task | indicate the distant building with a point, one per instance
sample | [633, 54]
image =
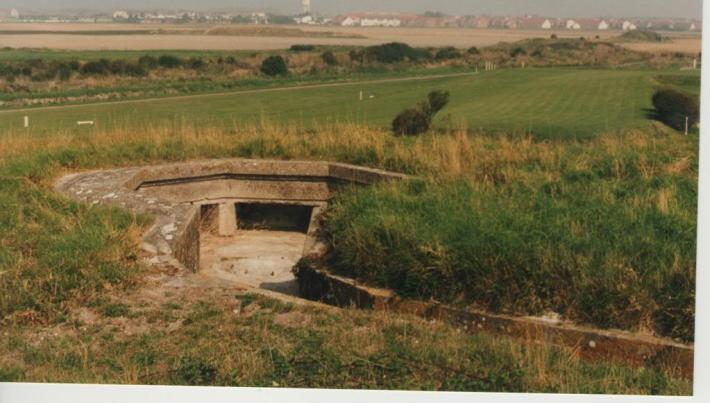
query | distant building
[259, 18]
[120, 15]
[546, 25]
[574, 25]
[306, 19]
[372, 20]
[628, 26]
[15, 14]
[603, 26]
[306, 7]
[349, 22]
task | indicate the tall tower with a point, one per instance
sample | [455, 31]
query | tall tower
[305, 6]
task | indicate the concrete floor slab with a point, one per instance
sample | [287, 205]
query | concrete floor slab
[256, 258]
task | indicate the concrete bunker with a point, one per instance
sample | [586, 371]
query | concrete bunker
[235, 221]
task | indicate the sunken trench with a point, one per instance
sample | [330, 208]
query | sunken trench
[234, 222]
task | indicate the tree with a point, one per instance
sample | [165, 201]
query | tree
[417, 120]
[274, 66]
[673, 107]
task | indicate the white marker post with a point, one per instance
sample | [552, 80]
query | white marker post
[361, 95]
[686, 125]
[27, 121]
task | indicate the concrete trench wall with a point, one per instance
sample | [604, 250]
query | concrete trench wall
[317, 283]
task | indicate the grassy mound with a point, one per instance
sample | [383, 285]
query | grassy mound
[602, 232]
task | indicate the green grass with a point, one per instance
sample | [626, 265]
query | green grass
[545, 102]
[603, 233]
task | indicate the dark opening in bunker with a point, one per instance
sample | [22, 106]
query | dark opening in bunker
[273, 217]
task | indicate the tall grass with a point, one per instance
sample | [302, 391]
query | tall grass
[600, 230]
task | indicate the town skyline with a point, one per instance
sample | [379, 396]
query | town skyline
[548, 8]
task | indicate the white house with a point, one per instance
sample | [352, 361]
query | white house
[14, 14]
[120, 15]
[306, 19]
[572, 24]
[603, 26]
[692, 27]
[348, 22]
[259, 18]
[380, 22]
[629, 26]
[547, 24]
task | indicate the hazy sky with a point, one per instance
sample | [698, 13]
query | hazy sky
[553, 8]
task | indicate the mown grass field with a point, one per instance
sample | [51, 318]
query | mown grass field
[545, 102]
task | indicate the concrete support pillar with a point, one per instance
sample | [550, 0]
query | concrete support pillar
[227, 219]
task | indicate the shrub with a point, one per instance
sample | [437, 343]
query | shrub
[672, 108]
[473, 50]
[413, 121]
[357, 56]
[99, 67]
[148, 62]
[517, 51]
[169, 61]
[437, 100]
[329, 58]
[447, 53]
[553, 36]
[64, 72]
[395, 52]
[302, 48]
[196, 63]
[410, 122]
[274, 66]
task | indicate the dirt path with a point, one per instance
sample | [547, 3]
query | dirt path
[230, 93]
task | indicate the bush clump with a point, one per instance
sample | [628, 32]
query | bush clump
[413, 121]
[673, 107]
[329, 58]
[169, 61]
[302, 48]
[274, 66]
[447, 53]
[395, 52]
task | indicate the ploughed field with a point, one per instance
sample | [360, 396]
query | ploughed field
[555, 102]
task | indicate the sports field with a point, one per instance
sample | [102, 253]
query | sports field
[545, 102]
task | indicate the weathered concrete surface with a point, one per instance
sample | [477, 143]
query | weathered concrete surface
[227, 221]
[174, 193]
[262, 259]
